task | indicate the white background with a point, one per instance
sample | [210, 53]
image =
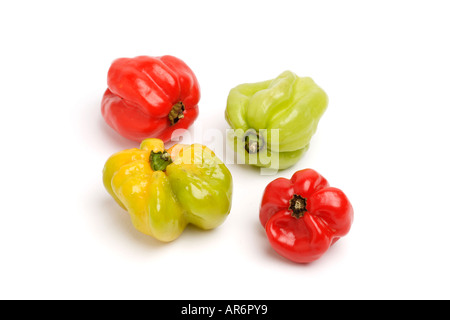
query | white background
[384, 141]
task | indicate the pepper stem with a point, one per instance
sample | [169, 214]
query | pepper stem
[160, 160]
[176, 113]
[298, 206]
[253, 142]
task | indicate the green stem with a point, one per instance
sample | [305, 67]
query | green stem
[298, 206]
[176, 113]
[160, 160]
[253, 142]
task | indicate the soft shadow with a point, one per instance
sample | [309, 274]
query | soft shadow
[95, 131]
[119, 224]
[111, 136]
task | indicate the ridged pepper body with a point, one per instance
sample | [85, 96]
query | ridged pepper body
[289, 104]
[164, 190]
[303, 216]
[150, 97]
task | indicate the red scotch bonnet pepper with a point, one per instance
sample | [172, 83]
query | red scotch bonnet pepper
[150, 97]
[304, 216]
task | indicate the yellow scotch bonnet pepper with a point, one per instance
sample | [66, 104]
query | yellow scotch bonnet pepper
[165, 190]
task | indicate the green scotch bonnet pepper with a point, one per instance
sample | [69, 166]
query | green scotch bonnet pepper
[290, 104]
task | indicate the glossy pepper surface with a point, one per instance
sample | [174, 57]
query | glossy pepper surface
[164, 190]
[150, 97]
[304, 216]
[274, 120]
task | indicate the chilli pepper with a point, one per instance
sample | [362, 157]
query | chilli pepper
[274, 120]
[304, 216]
[150, 97]
[164, 190]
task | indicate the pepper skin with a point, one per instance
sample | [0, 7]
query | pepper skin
[164, 190]
[304, 216]
[150, 97]
[289, 103]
